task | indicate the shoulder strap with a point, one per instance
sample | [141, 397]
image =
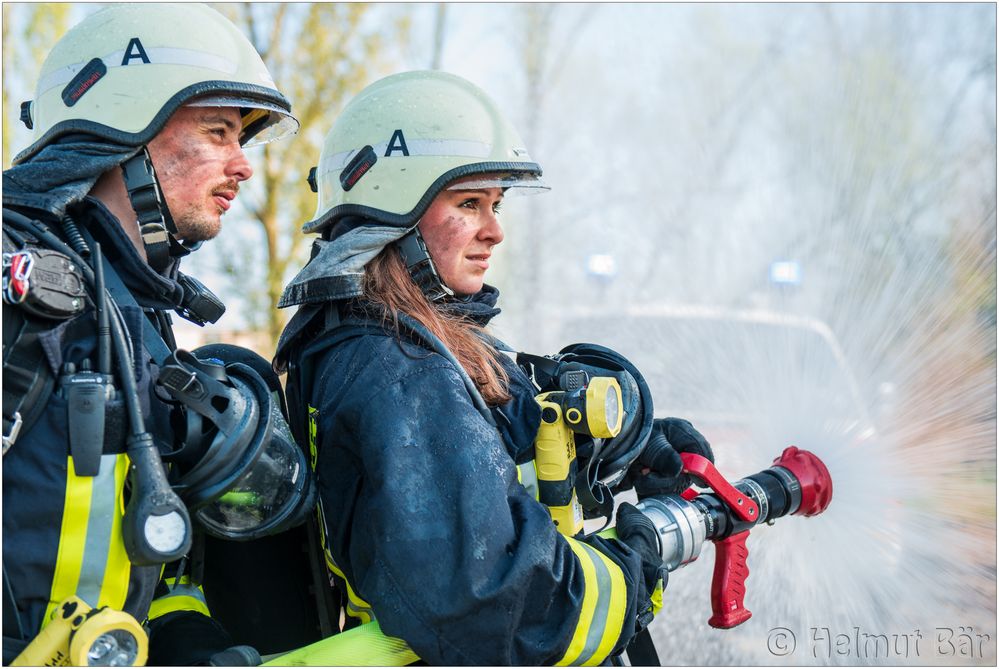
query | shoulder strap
[642, 650]
[301, 367]
[27, 379]
[152, 340]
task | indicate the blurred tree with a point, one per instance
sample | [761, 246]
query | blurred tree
[320, 55]
[547, 34]
[440, 32]
[29, 31]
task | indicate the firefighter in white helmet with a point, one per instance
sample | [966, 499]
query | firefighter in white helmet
[417, 422]
[141, 114]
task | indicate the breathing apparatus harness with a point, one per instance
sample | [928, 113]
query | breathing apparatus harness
[236, 436]
[243, 475]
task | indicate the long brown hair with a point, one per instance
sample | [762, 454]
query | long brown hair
[387, 281]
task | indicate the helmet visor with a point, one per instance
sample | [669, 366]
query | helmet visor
[263, 122]
[512, 183]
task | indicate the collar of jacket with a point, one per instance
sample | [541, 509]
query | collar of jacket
[479, 308]
[150, 289]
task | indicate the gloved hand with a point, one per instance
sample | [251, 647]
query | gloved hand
[236, 656]
[188, 638]
[637, 530]
[658, 468]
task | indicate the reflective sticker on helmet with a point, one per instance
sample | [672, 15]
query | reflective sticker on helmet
[440, 148]
[84, 81]
[156, 56]
[358, 167]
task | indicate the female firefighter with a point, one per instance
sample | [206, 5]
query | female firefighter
[417, 423]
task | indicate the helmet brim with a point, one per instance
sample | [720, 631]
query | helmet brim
[520, 183]
[263, 121]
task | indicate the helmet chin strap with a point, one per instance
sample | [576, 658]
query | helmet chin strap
[421, 266]
[159, 233]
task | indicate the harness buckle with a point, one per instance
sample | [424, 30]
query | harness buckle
[16, 270]
[15, 429]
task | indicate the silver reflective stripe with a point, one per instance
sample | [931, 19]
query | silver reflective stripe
[599, 622]
[529, 478]
[103, 507]
[446, 148]
[357, 611]
[185, 590]
[164, 55]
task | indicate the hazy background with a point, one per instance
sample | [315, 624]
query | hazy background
[688, 148]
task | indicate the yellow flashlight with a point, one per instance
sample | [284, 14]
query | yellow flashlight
[593, 410]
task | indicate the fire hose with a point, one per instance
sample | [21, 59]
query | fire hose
[797, 483]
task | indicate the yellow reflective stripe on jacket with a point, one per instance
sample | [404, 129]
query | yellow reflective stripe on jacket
[182, 597]
[356, 607]
[602, 615]
[91, 562]
[313, 432]
[657, 598]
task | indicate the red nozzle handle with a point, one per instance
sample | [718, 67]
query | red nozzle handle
[728, 585]
[743, 506]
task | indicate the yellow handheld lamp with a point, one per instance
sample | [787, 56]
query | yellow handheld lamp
[80, 636]
[601, 407]
[593, 410]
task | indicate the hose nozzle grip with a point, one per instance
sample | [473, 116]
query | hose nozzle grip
[743, 506]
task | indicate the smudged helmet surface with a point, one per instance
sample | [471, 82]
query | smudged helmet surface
[121, 72]
[404, 138]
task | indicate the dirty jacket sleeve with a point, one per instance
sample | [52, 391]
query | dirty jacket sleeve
[426, 518]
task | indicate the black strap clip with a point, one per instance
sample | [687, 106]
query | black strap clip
[421, 266]
[159, 233]
[11, 436]
[199, 304]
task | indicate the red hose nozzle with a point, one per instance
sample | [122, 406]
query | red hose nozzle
[816, 484]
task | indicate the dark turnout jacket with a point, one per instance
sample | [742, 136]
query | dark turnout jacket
[62, 530]
[426, 523]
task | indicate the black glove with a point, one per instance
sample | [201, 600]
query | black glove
[637, 530]
[189, 638]
[657, 470]
[237, 656]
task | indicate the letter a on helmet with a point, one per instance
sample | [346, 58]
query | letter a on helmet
[120, 73]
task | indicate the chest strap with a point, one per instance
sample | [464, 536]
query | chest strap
[152, 340]
[27, 379]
